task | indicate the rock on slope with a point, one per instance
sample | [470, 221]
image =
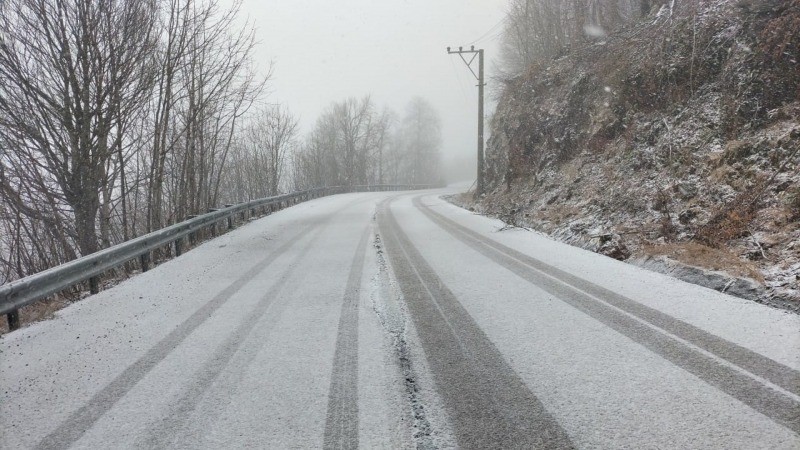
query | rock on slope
[673, 144]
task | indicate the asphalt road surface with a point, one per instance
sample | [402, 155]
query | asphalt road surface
[397, 320]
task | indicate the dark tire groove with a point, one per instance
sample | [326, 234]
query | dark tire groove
[163, 434]
[422, 428]
[578, 293]
[82, 419]
[341, 425]
[488, 403]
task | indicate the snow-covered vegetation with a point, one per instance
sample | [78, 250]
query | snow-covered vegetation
[672, 138]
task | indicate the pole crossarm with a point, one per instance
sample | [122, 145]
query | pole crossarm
[461, 53]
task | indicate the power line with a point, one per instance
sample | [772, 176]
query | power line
[491, 30]
[460, 83]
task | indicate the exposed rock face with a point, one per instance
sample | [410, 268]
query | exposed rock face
[682, 130]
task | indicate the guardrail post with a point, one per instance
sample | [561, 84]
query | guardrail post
[13, 319]
[213, 226]
[144, 260]
[231, 218]
[178, 245]
[94, 285]
[192, 235]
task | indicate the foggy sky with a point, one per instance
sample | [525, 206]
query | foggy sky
[327, 50]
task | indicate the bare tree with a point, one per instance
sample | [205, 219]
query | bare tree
[354, 144]
[344, 144]
[69, 79]
[317, 164]
[381, 135]
[174, 43]
[259, 157]
[116, 118]
[208, 85]
[420, 133]
[539, 30]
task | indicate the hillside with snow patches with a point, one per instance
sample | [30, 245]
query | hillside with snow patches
[671, 143]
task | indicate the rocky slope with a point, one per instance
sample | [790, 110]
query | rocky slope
[673, 144]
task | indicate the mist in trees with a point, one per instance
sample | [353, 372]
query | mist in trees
[419, 139]
[121, 117]
[355, 143]
[116, 118]
[258, 159]
[539, 30]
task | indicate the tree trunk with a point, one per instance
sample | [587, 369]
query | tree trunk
[85, 224]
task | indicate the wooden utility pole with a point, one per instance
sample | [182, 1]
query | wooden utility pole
[479, 76]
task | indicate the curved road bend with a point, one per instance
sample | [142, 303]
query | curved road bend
[396, 320]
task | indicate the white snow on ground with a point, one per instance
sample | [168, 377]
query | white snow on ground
[266, 384]
[769, 331]
[52, 368]
[606, 389]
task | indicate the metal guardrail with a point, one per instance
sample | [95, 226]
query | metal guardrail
[27, 290]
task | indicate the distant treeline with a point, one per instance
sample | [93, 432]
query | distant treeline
[120, 117]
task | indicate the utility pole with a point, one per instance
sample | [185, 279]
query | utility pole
[479, 76]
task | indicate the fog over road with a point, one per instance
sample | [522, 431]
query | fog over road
[397, 320]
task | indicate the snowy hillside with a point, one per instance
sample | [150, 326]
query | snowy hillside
[672, 143]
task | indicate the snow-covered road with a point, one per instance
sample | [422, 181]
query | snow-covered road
[397, 320]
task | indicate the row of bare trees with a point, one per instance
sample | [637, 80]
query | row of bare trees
[258, 162]
[119, 117]
[354, 143]
[538, 30]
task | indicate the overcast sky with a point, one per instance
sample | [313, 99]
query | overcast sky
[327, 50]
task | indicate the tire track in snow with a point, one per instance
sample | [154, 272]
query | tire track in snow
[341, 425]
[81, 420]
[206, 397]
[489, 404]
[163, 434]
[720, 363]
[393, 317]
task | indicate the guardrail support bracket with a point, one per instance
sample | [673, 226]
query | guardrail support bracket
[144, 260]
[94, 285]
[13, 320]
